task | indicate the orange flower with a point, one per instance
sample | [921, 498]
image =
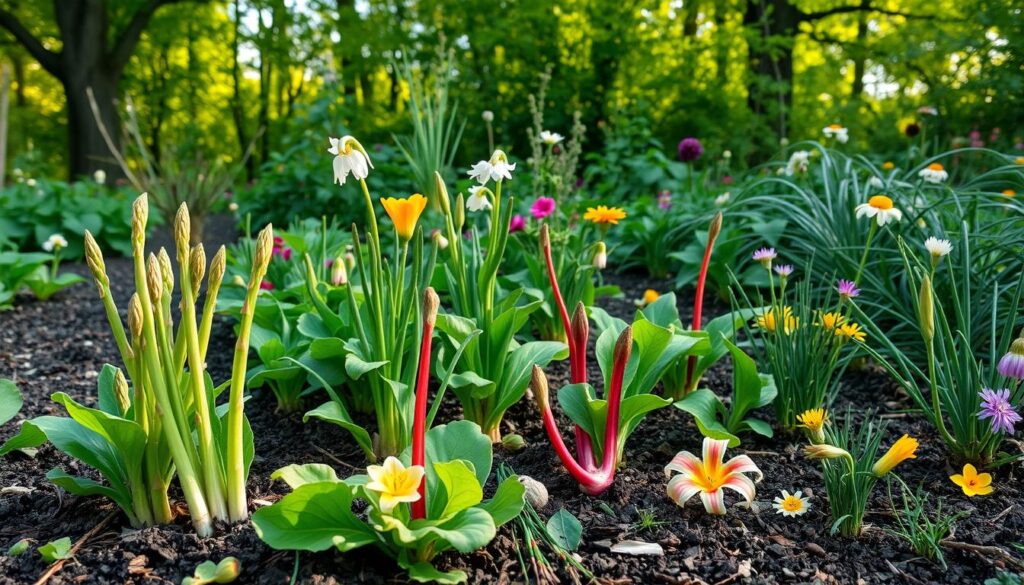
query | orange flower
[404, 213]
[604, 215]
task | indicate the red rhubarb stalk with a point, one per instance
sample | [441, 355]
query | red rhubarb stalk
[698, 301]
[419, 424]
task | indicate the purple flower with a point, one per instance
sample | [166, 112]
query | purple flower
[542, 207]
[690, 149]
[995, 405]
[765, 256]
[784, 270]
[1011, 365]
[664, 200]
[847, 289]
[517, 224]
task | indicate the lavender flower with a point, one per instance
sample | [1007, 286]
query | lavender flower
[1011, 365]
[665, 200]
[995, 405]
[847, 289]
[784, 270]
[690, 149]
[765, 257]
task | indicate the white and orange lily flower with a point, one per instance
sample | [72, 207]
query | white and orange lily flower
[710, 477]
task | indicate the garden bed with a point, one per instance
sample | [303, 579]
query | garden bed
[61, 346]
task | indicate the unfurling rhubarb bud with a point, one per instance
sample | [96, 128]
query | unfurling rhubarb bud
[94, 257]
[135, 318]
[926, 310]
[339, 274]
[460, 213]
[166, 271]
[140, 215]
[217, 266]
[715, 228]
[430, 305]
[513, 442]
[154, 279]
[539, 385]
[182, 230]
[580, 326]
[197, 264]
[545, 237]
[624, 346]
[261, 258]
[121, 391]
[442, 193]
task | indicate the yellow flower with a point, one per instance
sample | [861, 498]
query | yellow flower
[650, 295]
[404, 213]
[603, 214]
[395, 483]
[1019, 160]
[888, 165]
[832, 320]
[851, 330]
[791, 504]
[1009, 192]
[902, 450]
[813, 419]
[767, 320]
[972, 482]
[825, 451]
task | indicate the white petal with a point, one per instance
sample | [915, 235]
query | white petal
[714, 502]
[681, 488]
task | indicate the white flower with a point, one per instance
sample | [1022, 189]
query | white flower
[798, 163]
[478, 200]
[349, 157]
[442, 242]
[836, 131]
[726, 154]
[722, 199]
[928, 110]
[934, 173]
[55, 242]
[938, 248]
[791, 504]
[879, 207]
[495, 169]
[875, 183]
[601, 256]
[488, 116]
[783, 142]
[233, 206]
[551, 138]
[100, 176]
[31, 182]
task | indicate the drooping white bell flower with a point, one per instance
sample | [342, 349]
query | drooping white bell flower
[349, 157]
[478, 200]
[495, 169]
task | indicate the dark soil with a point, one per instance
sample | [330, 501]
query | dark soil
[61, 346]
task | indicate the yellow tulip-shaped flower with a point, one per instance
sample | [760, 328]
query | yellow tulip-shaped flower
[972, 482]
[902, 450]
[395, 483]
[404, 213]
[814, 420]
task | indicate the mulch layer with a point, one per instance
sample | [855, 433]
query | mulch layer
[61, 345]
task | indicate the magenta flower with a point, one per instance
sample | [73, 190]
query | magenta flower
[266, 285]
[690, 149]
[665, 200]
[542, 207]
[1011, 365]
[847, 289]
[784, 270]
[765, 257]
[995, 405]
[517, 224]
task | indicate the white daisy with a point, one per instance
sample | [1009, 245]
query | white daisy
[551, 138]
[879, 207]
[349, 157]
[836, 131]
[798, 163]
[478, 200]
[723, 199]
[934, 173]
[938, 248]
[55, 242]
[791, 504]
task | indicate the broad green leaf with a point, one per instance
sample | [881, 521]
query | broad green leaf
[746, 384]
[296, 475]
[314, 517]
[460, 486]
[334, 412]
[565, 529]
[107, 397]
[758, 426]
[356, 367]
[424, 572]
[83, 486]
[450, 442]
[470, 383]
[326, 348]
[575, 400]
[56, 550]
[466, 531]
[663, 312]
[10, 400]
[508, 501]
[518, 368]
[28, 437]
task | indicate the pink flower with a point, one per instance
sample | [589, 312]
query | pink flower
[727, 180]
[542, 207]
[665, 200]
[266, 285]
[517, 224]
[847, 289]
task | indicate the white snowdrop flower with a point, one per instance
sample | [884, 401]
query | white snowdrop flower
[349, 157]
[938, 248]
[798, 163]
[100, 176]
[442, 242]
[551, 138]
[723, 199]
[934, 173]
[488, 116]
[495, 169]
[478, 200]
[56, 242]
[836, 131]
[233, 206]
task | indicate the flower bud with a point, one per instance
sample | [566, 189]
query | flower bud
[545, 238]
[154, 280]
[580, 326]
[460, 213]
[94, 258]
[903, 449]
[824, 451]
[261, 258]
[536, 492]
[217, 267]
[166, 271]
[442, 242]
[350, 260]
[488, 116]
[430, 304]
[197, 264]
[121, 391]
[182, 230]
[715, 228]
[237, 280]
[513, 442]
[601, 256]
[926, 310]
[624, 346]
[442, 193]
[539, 385]
[140, 215]
[135, 317]
[339, 274]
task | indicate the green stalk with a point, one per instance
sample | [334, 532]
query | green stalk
[867, 248]
[216, 277]
[238, 508]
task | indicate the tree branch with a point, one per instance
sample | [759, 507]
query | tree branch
[49, 60]
[129, 37]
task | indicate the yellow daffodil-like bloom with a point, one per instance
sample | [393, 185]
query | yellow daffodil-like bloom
[853, 331]
[791, 504]
[395, 483]
[404, 213]
[880, 208]
[1009, 193]
[650, 295]
[972, 482]
[605, 215]
[710, 476]
[831, 320]
[769, 320]
[813, 419]
[902, 450]
[888, 165]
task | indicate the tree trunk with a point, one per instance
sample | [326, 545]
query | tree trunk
[88, 150]
[770, 88]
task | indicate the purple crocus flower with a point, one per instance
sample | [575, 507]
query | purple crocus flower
[517, 224]
[847, 289]
[1011, 365]
[765, 257]
[690, 149]
[995, 405]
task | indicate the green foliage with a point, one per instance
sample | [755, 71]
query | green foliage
[565, 529]
[318, 514]
[10, 400]
[208, 572]
[750, 390]
[19, 548]
[922, 531]
[56, 550]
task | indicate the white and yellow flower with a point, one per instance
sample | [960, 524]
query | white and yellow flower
[881, 208]
[495, 169]
[836, 131]
[798, 163]
[478, 200]
[790, 505]
[349, 157]
[938, 248]
[934, 173]
[395, 483]
[709, 477]
[56, 242]
[550, 138]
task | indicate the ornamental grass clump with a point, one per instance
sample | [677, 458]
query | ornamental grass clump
[166, 420]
